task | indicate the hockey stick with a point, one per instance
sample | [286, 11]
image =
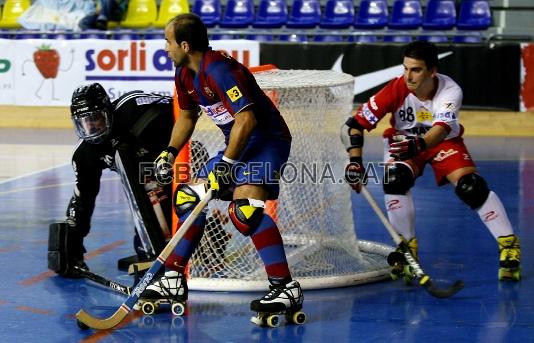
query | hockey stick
[115, 286]
[424, 279]
[85, 320]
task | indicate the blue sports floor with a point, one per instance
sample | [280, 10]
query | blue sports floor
[38, 306]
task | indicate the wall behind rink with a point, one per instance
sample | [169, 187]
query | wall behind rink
[489, 74]
[40, 72]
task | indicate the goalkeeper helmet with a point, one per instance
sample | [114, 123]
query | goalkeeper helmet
[91, 113]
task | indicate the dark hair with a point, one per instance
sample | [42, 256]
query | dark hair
[422, 50]
[190, 28]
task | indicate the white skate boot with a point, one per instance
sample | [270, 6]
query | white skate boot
[283, 299]
[171, 289]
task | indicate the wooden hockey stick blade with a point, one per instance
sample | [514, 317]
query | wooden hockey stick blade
[424, 279]
[102, 324]
[85, 320]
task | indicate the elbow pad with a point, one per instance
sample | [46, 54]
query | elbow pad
[348, 140]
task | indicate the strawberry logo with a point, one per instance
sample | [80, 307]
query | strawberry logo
[47, 61]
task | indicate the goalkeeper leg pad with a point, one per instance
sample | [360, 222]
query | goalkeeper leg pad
[246, 214]
[65, 249]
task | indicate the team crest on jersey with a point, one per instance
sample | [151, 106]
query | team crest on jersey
[423, 115]
[208, 91]
[234, 93]
[368, 114]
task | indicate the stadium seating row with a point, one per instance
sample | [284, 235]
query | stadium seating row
[371, 16]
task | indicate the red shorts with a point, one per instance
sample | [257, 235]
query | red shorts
[444, 158]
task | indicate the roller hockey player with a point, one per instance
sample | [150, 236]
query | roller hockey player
[425, 130]
[255, 135]
[119, 136]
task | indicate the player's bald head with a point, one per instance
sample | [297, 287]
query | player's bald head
[190, 28]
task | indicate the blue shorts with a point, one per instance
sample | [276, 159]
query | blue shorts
[259, 164]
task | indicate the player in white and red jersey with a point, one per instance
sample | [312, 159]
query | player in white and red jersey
[246, 172]
[425, 130]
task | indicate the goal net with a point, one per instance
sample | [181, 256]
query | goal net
[313, 211]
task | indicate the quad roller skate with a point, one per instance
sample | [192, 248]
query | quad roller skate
[171, 289]
[281, 300]
[509, 258]
[399, 266]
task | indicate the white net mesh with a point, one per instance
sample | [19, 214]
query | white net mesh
[314, 208]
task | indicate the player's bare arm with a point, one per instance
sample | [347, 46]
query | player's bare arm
[435, 135]
[244, 124]
[183, 128]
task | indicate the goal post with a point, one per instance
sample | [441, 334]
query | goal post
[313, 212]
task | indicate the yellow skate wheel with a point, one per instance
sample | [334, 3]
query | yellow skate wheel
[298, 318]
[408, 274]
[178, 309]
[273, 321]
[148, 308]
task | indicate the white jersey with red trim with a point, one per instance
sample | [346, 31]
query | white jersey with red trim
[411, 116]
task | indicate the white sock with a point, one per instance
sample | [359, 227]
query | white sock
[401, 213]
[493, 215]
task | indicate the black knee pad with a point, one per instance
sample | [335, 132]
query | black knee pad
[473, 190]
[245, 216]
[186, 197]
[398, 179]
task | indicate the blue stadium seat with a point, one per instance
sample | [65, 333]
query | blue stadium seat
[219, 36]
[474, 15]
[126, 35]
[260, 37]
[372, 14]
[406, 15]
[398, 39]
[304, 14]
[209, 11]
[238, 14]
[154, 34]
[440, 15]
[338, 14]
[271, 14]
[328, 38]
[363, 39]
[471, 38]
[293, 38]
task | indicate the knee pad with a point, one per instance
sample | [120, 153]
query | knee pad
[186, 197]
[246, 214]
[398, 179]
[473, 190]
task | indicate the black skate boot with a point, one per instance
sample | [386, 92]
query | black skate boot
[171, 288]
[509, 258]
[283, 299]
[399, 266]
